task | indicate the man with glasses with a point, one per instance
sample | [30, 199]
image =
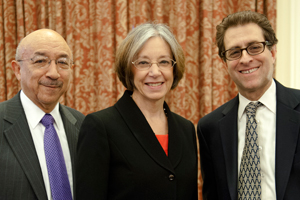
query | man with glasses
[38, 135]
[250, 146]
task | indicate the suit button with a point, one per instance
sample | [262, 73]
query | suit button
[171, 177]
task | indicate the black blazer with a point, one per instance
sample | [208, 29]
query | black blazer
[20, 171]
[218, 139]
[119, 156]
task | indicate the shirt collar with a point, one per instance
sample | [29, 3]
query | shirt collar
[268, 99]
[34, 114]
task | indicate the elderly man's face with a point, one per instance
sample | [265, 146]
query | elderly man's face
[44, 86]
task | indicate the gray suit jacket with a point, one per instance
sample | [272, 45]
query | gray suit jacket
[20, 172]
[218, 139]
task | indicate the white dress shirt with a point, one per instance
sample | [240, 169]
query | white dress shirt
[266, 127]
[34, 115]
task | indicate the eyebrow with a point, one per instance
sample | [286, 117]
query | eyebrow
[248, 44]
[160, 57]
[63, 55]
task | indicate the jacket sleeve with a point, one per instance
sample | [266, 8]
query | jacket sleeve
[209, 189]
[93, 158]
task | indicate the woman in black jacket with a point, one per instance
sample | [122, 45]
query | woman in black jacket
[138, 148]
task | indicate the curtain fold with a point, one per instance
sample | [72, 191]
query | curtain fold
[95, 28]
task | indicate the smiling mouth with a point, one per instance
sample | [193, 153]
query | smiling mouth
[249, 71]
[51, 86]
[154, 84]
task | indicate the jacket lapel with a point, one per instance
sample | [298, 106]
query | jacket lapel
[142, 131]
[20, 140]
[175, 141]
[287, 131]
[229, 134]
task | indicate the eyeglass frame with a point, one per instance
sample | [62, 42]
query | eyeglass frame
[151, 63]
[49, 63]
[265, 43]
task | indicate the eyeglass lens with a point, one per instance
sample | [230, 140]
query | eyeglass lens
[146, 64]
[253, 49]
[42, 61]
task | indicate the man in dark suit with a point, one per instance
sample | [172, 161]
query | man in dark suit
[247, 44]
[43, 66]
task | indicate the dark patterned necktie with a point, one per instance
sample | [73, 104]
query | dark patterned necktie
[57, 171]
[249, 184]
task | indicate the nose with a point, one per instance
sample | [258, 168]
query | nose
[245, 58]
[154, 70]
[52, 70]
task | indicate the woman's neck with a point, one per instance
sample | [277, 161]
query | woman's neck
[148, 107]
[154, 113]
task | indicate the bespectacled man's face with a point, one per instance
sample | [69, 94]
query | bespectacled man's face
[43, 86]
[252, 74]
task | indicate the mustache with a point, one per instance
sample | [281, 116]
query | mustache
[51, 83]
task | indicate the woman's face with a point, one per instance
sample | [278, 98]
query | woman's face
[154, 83]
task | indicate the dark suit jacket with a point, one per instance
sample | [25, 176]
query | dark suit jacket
[119, 156]
[20, 173]
[218, 136]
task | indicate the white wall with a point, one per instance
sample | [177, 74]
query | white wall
[288, 48]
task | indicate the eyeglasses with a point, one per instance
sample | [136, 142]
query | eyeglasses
[44, 62]
[253, 49]
[163, 64]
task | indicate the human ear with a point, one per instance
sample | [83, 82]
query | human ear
[16, 68]
[274, 52]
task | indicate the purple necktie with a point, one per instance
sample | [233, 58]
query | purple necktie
[57, 171]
